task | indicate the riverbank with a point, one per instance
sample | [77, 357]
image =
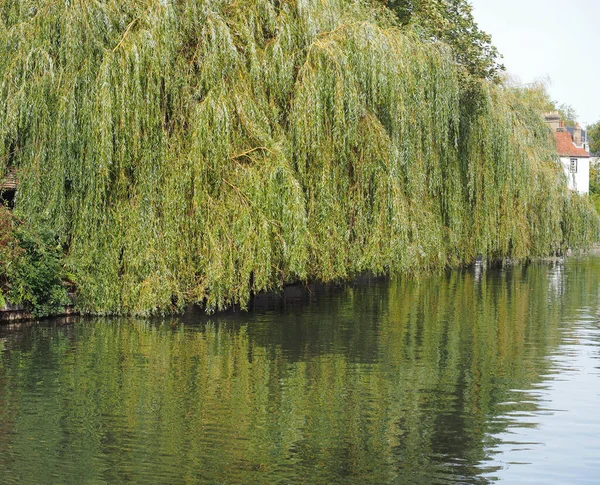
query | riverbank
[263, 301]
[291, 294]
[21, 313]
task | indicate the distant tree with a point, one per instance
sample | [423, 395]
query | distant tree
[567, 113]
[452, 22]
[593, 133]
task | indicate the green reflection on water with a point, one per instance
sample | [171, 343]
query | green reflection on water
[394, 382]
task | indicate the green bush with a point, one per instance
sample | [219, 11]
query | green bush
[8, 250]
[30, 267]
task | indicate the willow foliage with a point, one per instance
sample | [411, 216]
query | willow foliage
[200, 150]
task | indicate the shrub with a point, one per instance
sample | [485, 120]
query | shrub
[30, 267]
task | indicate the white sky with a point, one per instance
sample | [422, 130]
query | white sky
[555, 39]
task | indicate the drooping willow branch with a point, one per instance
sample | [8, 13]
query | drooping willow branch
[203, 150]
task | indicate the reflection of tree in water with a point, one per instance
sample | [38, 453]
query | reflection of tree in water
[402, 382]
[556, 280]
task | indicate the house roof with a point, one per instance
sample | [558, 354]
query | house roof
[566, 147]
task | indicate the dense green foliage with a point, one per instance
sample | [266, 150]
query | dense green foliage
[7, 250]
[452, 22]
[201, 150]
[30, 267]
[593, 133]
[595, 185]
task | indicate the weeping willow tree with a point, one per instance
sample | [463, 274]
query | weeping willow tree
[202, 150]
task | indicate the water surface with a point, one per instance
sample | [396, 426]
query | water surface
[471, 377]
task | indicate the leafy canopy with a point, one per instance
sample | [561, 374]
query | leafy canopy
[452, 22]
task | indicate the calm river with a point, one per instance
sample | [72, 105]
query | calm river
[471, 377]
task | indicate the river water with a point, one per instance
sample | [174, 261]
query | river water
[471, 377]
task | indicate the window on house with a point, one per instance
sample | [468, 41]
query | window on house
[573, 168]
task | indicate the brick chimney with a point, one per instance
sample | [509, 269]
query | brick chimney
[553, 120]
[577, 135]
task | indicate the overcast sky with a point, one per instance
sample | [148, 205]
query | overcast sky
[555, 39]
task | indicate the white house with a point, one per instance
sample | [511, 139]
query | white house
[575, 160]
[572, 146]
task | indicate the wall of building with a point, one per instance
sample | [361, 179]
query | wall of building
[579, 181]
